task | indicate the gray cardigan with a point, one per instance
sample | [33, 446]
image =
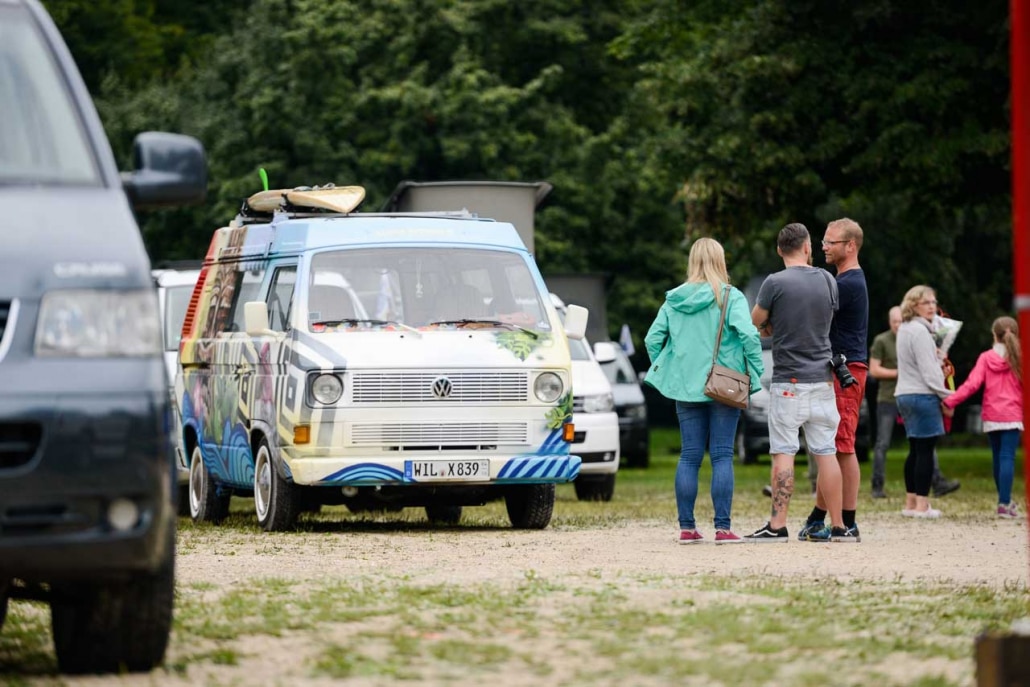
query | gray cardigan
[919, 368]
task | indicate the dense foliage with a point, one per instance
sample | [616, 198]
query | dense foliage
[657, 121]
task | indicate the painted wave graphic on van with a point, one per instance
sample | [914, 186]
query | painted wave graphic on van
[365, 473]
[535, 468]
[229, 461]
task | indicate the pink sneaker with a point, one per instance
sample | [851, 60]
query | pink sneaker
[1009, 512]
[726, 537]
[690, 537]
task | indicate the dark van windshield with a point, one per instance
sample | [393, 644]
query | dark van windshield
[42, 139]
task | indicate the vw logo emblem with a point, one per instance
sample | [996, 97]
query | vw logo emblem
[441, 387]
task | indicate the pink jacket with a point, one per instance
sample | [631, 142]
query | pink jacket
[1003, 396]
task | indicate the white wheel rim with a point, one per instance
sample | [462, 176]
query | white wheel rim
[262, 483]
[197, 479]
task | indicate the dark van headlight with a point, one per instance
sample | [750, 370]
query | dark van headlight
[89, 323]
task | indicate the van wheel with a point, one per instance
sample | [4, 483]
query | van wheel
[530, 506]
[276, 501]
[595, 488]
[115, 626]
[443, 515]
[205, 503]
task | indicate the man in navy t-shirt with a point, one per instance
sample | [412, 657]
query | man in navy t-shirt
[849, 335]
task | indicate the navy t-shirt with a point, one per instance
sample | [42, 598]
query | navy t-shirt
[849, 332]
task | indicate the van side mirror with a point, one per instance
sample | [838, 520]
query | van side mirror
[604, 351]
[576, 321]
[255, 317]
[169, 170]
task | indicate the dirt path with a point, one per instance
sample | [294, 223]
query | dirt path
[993, 554]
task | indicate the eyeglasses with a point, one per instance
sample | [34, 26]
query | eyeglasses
[927, 302]
[830, 243]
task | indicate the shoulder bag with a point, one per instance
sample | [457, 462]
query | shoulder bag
[724, 385]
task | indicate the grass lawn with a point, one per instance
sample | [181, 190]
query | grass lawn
[634, 626]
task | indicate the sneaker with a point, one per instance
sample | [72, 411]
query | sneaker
[1008, 512]
[810, 527]
[945, 487]
[928, 514]
[767, 535]
[726, 537]
[908, 513]
[820, 533]
[690, 537]
[845, 535]
[767, 490]
[879, 494]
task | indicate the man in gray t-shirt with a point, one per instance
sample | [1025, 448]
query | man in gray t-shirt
[795, 307]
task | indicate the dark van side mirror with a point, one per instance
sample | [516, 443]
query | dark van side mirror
[170, 169]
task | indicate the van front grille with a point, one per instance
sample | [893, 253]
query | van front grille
[439, 387]
[411, 435]
[18, 443]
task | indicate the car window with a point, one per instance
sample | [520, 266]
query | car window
[248, 285]
[280, 298]
[578, 349]
[619, 370]
[42, 137]
[177, 299]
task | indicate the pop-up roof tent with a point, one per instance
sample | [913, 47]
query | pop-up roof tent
[504, 201]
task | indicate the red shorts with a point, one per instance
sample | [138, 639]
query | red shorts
[848, 403]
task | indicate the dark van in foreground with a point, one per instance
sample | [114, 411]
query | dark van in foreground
[87, 520]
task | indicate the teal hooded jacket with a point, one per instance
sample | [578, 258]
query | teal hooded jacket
[682, 336]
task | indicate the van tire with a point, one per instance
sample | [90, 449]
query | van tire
[276, 501]
[595, 488]
[115, 626]
[530, 506]
[206, 504]
[443, 515]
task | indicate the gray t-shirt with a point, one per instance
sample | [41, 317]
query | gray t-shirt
[801, 302]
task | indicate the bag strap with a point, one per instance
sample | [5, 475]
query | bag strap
[722, 321]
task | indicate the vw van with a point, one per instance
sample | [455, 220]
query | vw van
[379, 361]
[87, 520]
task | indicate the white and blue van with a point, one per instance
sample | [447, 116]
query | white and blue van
[376, 361]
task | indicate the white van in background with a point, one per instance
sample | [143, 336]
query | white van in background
[174, 289]
[596, 439]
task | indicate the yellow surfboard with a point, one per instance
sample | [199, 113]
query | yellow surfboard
[332, 198]
[267, 201]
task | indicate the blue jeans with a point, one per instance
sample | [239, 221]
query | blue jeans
[886, 419]
[1003, 451]
[715, 425]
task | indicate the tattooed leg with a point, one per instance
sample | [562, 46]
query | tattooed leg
[782, 488]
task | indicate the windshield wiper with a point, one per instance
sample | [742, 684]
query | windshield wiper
[495, 323]
[360, 320]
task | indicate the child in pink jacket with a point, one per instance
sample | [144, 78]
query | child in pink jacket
[999, 371]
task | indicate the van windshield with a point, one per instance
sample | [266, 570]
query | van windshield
[42, 138]
[425, 287]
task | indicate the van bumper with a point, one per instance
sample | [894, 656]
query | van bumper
[83, 451]
[365, 471]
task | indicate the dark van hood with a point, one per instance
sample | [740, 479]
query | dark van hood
[68, 238]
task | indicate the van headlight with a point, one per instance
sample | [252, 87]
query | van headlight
[326, 389]
[548, 387]
[599, 403]
[93, 323]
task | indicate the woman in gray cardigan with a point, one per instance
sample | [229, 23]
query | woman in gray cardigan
[919, 393]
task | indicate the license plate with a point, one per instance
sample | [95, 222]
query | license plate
[447, 470]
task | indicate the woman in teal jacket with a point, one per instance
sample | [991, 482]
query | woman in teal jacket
[679, 344]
